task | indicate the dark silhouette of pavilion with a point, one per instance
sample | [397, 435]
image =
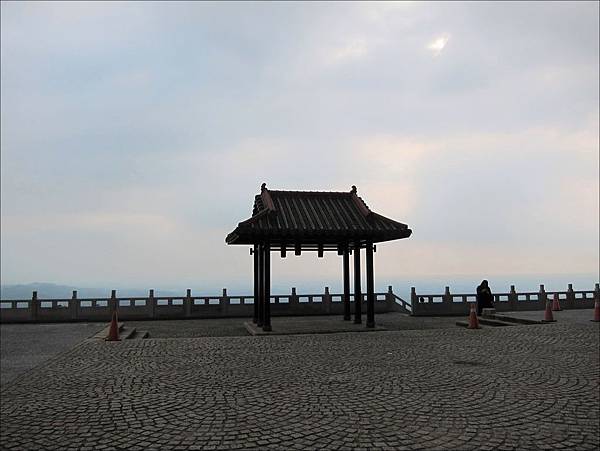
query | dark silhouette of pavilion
[313, 221]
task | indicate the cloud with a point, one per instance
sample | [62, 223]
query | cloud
[438, 44]
[139, 133]
[493, 192]
[354, 49]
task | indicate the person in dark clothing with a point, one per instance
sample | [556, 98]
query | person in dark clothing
[485, 299]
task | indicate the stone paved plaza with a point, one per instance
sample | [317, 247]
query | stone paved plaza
[24, 346]
[521, 387]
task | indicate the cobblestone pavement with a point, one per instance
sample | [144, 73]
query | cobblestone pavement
[24, 346]
[521, 387]
[226, 327]
[581, 316]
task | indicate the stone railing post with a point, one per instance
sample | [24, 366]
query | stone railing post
[187, 303]
[570, 297]
[224, 301]
[447, 298]
[151, 304]
[112, 303]
[542, 296]
[294, 302]
[327, 301]
[74, 305]
[513, 299]
[414, 300]
[389, 299]
[34, 306]
[449, 305]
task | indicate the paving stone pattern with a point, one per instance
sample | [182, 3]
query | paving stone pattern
[226, 327]
[522, 387]
[24, 346]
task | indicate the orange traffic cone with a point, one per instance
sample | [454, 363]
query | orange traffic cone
[113, 333]
[473, 321]
[596, 311]
[556, 303]
[548, 318]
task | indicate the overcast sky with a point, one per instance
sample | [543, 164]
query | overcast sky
[135, 135]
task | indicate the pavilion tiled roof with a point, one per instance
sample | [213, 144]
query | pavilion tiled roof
[314, 217]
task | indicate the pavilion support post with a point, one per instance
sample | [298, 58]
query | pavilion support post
[256, 284]
[261, 285]
[346, 257]
[357, 292]
[267, 288]
[370, 287]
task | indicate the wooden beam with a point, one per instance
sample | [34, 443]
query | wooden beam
[303, 248]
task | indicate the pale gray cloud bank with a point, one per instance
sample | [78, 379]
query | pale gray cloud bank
[134, 135]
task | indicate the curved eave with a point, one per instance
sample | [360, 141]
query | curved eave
[232, 238]
[240, 237]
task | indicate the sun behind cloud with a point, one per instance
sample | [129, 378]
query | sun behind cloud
[438, 44]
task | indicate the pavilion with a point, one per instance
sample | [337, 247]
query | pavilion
[314, 221]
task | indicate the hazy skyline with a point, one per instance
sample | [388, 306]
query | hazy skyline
[135, 135]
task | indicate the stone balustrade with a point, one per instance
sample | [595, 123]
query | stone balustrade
[459, 304]
[188, 306]
[227, 306]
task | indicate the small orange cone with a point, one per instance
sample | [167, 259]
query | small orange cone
[473, 321]
[548, 318]
[596, 311]
[113, 333]
[556, 304]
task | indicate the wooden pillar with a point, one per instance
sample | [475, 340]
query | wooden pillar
[261, 285]
[370, 287]
[256, 284]
[267, 288]
[357, 293]
[346, 283]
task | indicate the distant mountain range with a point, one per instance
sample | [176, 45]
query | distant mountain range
[401, 286]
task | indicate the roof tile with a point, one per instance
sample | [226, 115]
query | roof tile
[312, 217]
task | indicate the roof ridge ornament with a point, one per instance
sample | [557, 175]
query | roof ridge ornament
[266, 198]
[362, 207]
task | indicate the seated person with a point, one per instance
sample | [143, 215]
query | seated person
[485, 298]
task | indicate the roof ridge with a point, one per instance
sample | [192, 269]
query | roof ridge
[308, 192]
